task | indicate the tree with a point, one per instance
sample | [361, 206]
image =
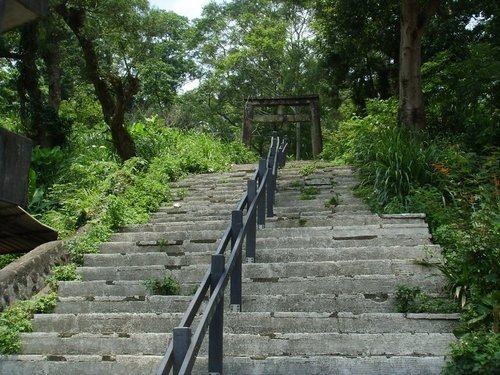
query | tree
[122, 41]
[414, 17]
[258, 48]
[358, 45]
[115, 84]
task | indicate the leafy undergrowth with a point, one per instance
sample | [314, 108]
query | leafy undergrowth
[458, 189]
[17, 319]
[84, 184]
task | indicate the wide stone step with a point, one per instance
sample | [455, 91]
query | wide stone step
[170, 247]
[371, 284]
[273, 344]
[338, 365]
[340, 242]
[355, 303]
[389, 230]
[181, 207]
[146, 259]
[191, 224]
[53, 343]
[194, 273]
[420, 254]
[162, 218]
[122, 304]
[283, 365]
[257, 323]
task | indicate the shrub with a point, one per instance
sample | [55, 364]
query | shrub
[414, 300]
[17, 318]
[476, 353]
[65, 272]
[166, 286]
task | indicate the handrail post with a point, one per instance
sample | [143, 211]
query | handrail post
[261, 209]
[215, 331]
[251, 222]
[182, 340]
[235, 298]
[270, 192]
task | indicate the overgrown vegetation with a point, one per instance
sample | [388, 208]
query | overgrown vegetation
[17, 319]
[308, 193]
[457, 187]
[166, 286]
[414, 300]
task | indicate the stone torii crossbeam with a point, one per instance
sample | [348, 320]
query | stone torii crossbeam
[293, 101]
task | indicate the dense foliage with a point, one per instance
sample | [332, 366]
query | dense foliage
[459, 191]
[97, 86]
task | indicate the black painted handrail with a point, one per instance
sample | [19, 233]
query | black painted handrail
[258, 201]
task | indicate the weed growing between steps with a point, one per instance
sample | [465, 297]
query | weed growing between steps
[167, 286]
[309, 193]
[456, 186]
[17, 319]
[414, 300]
[65, 272]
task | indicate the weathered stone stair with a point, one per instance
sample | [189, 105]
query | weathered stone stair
[318, 299]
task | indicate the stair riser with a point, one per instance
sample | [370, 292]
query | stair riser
[191, 273]
[325, 232]
[245, 323]
[249, 345]
[169, 249]
[146, 259]
[148, 365]
[275, 286]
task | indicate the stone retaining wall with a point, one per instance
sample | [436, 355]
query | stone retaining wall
[26, 276]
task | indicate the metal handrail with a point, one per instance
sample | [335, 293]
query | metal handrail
[183, 348]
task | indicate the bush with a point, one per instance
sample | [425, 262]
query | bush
[17, 319]
[166, 286]
[476, 353]
[414, 300]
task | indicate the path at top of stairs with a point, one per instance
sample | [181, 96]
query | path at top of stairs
[319, 298]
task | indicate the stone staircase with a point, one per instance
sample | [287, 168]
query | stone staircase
[317, 300]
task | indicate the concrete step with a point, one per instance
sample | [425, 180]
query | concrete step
[371, 284]
[390, 230]
[192, 224]
[146, 259]
[256, 323]
[122, 304]
[170, 247]
[419, 253]
[53, 343]
[194, 273]
[283, 365]
[273, 344]
[338, 242]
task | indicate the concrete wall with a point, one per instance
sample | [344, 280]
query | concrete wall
[26, 276]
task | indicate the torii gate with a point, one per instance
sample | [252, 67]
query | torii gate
[292, 101]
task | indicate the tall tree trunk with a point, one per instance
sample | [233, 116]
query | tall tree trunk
[28, 88]
[414, 17]
[52, 58]
[115, 94]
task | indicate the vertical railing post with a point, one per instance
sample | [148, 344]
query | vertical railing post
[251, 222]
[235, 297]
[215, 330]
[261, 209]
[270, 192]
[182, 340]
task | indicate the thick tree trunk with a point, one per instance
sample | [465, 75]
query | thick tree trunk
[411, 100]
[115, 94]
[52, 58]
[29, 90]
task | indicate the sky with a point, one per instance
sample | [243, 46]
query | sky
[188, 8]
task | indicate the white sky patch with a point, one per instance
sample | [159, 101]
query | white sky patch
[188, 8]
